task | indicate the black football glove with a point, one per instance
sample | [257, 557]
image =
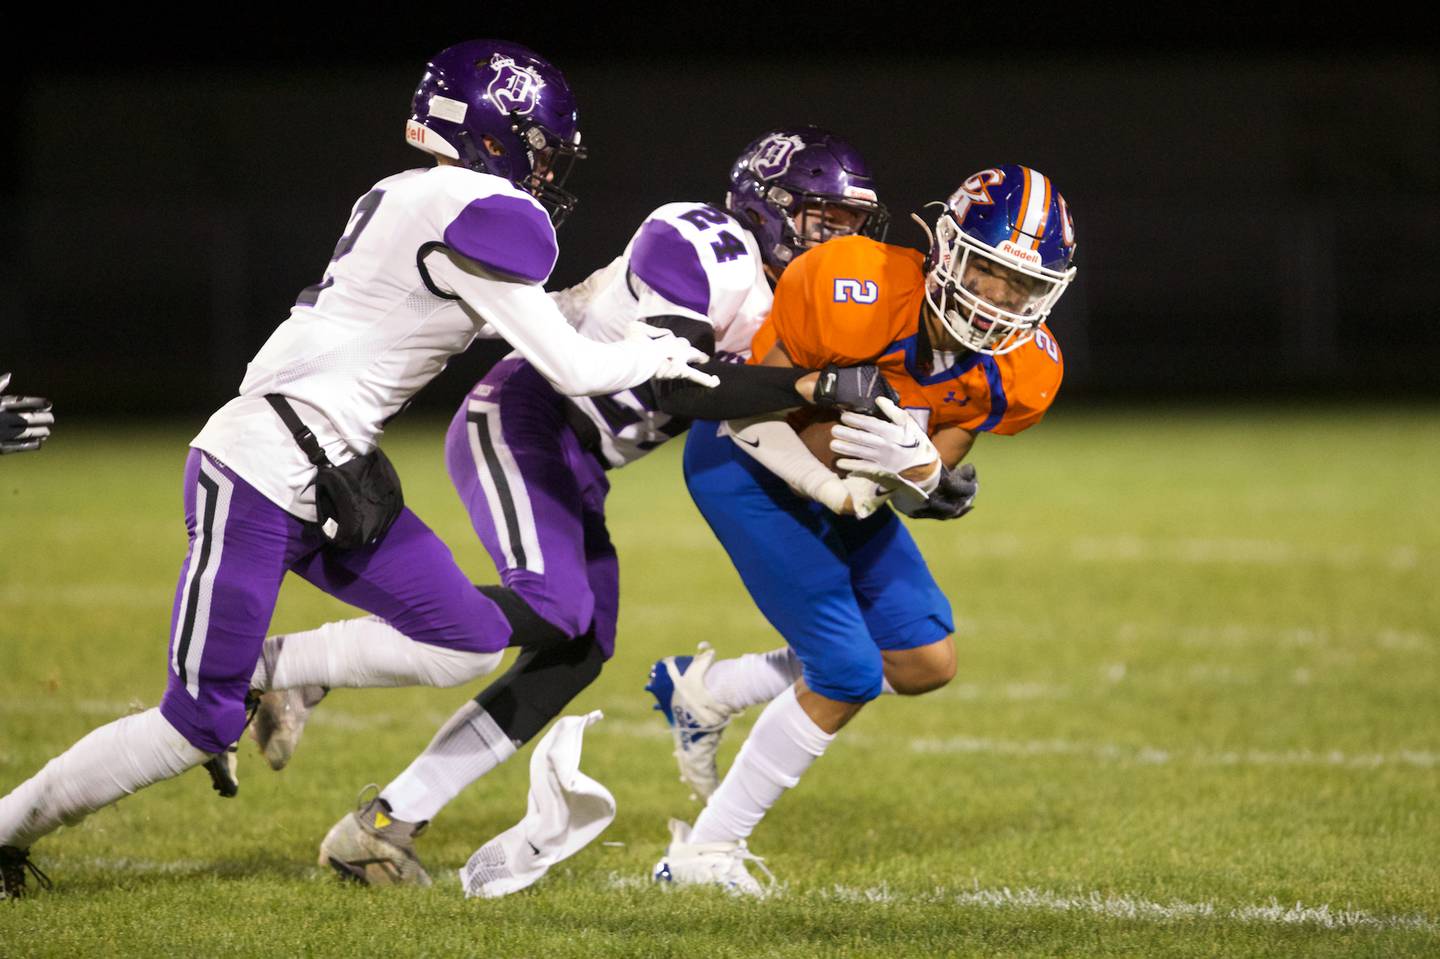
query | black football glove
[952, 498]
[24, 420]
[853, 388]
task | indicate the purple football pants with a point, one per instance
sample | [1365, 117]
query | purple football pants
[242, 544]
[536, 500]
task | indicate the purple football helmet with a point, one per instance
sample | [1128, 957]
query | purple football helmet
[1000, 257]
[499, 108]
[799, 186]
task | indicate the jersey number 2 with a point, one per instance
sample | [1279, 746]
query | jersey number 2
[360, 218]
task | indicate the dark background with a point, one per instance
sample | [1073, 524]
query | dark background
[1256, 198]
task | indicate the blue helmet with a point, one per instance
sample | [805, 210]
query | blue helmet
[799, 186]
[1000, 257]
[499, 108]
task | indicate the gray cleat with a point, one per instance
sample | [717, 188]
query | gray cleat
[369, 846]
[280, 720]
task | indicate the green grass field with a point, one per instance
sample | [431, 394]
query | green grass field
[1196, 715]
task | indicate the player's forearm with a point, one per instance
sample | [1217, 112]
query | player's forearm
[530, 322]
[744, 391]
[953, 444]
[751, 390]
[777, 447]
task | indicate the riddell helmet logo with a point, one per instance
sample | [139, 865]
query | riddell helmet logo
[772, 157]
[1019, 253]
[515, 89]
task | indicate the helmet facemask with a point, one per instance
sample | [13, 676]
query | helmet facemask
[809, 219]
[991, 301]
[797, 187]
[551, 161]
[548, 159]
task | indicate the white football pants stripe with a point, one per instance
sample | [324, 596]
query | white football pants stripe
[193, 621]
[505, 492]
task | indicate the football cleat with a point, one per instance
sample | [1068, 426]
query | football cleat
[696, 719]
[370, 847]
[721, 864]
[14, 863]
[224, 773]
[280, 720]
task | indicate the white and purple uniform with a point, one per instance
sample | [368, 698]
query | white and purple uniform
[391, 310]
[534, 489]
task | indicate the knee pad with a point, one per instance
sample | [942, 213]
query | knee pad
[540, 684]
[527, 627]
[441, 666]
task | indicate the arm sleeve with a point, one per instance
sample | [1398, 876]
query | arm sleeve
[530, 322]
[778, 448]
[743, 391]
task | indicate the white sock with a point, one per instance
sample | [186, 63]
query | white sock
[752, 678]
[364, 653]
[468, 746]
[108, 764]
[783, 744]
[756, 678]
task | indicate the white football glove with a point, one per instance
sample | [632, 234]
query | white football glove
[25, 421]
[865, 495]
[673, 355]
[893, 451]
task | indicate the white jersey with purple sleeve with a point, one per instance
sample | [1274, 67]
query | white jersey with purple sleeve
[393, 307]
[691, 260]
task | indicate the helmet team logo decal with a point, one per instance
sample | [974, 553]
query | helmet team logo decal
[515, 89]
[856, 291]
[975, 190]
[772, 158]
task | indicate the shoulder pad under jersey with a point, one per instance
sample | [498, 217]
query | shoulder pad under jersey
[489, 220]
[694, 255]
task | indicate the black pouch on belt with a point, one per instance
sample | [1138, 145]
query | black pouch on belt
[356, 501]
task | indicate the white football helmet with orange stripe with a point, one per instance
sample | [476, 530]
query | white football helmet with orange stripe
[1000, 257]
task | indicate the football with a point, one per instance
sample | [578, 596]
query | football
[813, 424]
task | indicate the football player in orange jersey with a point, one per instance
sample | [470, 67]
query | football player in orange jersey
[960, 334]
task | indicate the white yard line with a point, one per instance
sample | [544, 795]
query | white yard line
[1239, 635]
[1109, 905]
[1157, 756]
[88, 596]
[1117, 906]
[1126, 548]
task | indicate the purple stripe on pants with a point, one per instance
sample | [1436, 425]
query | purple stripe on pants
[241, 545]
[536, 500]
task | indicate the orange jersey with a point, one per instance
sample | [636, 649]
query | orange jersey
[854, 300]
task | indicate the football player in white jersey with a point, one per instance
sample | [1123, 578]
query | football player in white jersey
[530, 466]
[287, 476]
